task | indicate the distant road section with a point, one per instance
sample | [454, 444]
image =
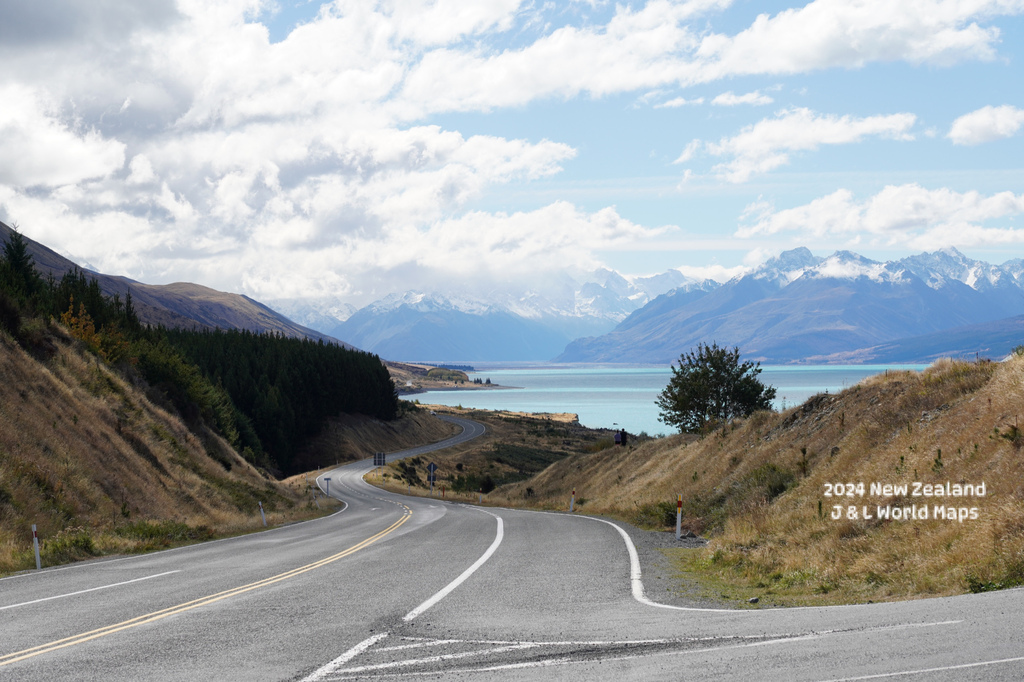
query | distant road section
[470, 430]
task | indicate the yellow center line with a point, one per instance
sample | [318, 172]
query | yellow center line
[7, 659]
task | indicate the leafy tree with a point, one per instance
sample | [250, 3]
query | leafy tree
[712, 386]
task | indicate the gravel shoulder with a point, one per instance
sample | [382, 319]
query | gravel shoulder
[662, 583]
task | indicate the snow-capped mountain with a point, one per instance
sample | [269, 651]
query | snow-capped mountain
[502, 323]
[324, 313]
[798, 306]
[939, 267]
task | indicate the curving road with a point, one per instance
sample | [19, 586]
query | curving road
[409, 587]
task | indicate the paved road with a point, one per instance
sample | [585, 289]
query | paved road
[411, 587]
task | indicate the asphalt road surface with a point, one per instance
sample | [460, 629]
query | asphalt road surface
[413, 588]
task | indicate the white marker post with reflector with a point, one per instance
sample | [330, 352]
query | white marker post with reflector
[572, 500]
[35, 543]
[679, 517]
[263, 515]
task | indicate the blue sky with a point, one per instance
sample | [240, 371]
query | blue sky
[351, 149]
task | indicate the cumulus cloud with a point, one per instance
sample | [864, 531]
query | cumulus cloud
[836, 33]
[768, 144]
[730, 99]
[716, 272]
[987, 125]
[900, 215]
[676, 102]
[39, 146]
[296, 167]
[656, 46]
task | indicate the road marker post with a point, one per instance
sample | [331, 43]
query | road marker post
[263, 515]
[572, 500]
[679, 517]
[35, 544]
[327, 480]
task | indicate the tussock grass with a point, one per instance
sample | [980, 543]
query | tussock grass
[754, 487]
[101, 469]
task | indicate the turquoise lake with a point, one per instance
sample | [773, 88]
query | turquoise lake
[624, 397]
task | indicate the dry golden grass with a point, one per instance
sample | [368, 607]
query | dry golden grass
[100, 468]
[755, 488]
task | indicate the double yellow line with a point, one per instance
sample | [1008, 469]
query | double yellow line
[7, 659]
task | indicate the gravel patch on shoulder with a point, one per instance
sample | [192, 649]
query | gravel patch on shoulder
[661, 582]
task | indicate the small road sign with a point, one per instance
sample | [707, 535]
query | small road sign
[379, 459]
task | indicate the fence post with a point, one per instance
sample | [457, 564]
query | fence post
[35, 543]
[679, 517]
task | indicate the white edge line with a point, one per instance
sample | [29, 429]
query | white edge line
[91, 589]
[447, 589]
[147, 555]
[923, 671]
[326, 670]
[637, 583]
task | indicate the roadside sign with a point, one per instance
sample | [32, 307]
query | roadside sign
[431, 476]
[379, 459]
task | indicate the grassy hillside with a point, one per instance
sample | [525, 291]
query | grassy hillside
[100, 468]
[178, 305]
[758, 488]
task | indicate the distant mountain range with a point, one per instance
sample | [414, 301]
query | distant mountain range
[843, 308]
[512, 324]
[176, 305]
[796, 307]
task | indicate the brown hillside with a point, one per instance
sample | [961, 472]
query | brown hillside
[84, 455]
[755, 487]
[177, 305]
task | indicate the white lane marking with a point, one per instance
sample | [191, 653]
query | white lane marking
[326, 670]
[447, 589]
[440, 658]
[506, 646]
[925, 671]
[444, 592]
[420, 645]
[91, 589]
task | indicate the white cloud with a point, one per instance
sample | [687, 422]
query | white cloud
[717, 272]
[987, 125]
[304, 165]
[40, 147]
[767, 145]
[679, 102]
[903, 215]
[837, 33]
[689, 151]
[729, 99]
[655, 46]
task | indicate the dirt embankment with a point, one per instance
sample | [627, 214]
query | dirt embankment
[349, 438]
[101, 468]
